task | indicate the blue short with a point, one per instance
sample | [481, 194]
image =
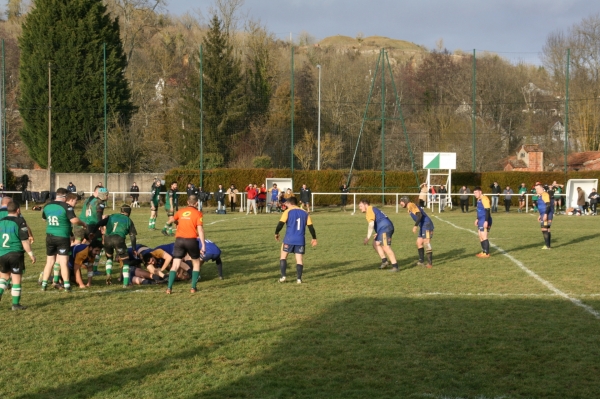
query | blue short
[548, 223]
[426, 231]
[480, 224]
[384, 235]
[207, 257]
[293, 249]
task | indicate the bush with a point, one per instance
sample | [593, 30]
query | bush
[263, 161]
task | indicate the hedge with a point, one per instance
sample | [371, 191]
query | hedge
[363, 180]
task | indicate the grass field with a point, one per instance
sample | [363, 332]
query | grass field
[521, 324]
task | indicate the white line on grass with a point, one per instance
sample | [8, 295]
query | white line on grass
[517, 262]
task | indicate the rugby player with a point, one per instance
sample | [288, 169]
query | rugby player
[545, 206]
[384, 229]
[15, 234]
[483, 221]
[83, 255]
[296, 221]
[170, 208]
[155, 191]
[423, 228]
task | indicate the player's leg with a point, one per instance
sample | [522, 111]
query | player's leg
[421, 252]
[153, 209]
[283, 262]
[219, 267]
[195, 274]
[63, 260]
[16, 291]
[50, 260]
[110, 251]
[179, 251]
[428, 248]
[299, 265]
[485, 244]
[377, 247]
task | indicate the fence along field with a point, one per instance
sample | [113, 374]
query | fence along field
[469, 327]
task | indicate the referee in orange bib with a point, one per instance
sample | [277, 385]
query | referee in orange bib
[189, 229]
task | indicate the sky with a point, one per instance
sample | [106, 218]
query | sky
[515, 29]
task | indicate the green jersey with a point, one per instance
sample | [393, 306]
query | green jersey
[58, 217]
[170, 198]
[93, 209]
[13, 230]
[118, 225]
[155, 191]
[523, 190]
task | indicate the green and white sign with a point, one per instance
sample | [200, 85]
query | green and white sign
[439, 160]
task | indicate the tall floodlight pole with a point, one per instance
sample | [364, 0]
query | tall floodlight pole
[319, 125]
[105, 123]
[2, 130]
[567, 109]
[49, 127]
[473, 113]
[201, 118]
[382, 126]
[292, 116]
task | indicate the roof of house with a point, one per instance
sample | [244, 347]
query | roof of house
[517, 163]
[532, 147]
[581, 158]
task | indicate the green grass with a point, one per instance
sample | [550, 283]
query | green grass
[468, 328]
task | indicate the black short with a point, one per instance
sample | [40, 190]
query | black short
[185, 246]
[114, 243]
[57, 245]
[12, 262]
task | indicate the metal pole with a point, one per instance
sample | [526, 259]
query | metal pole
[105, 123]
[319, 125]
[2, 115]
[473, 114]
[292, 110]
[201, 118]
[49, 128]
[567, 109]
[382, 126]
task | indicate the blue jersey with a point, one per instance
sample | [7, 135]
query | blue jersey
[380, 219]
[137, 248]
[482, 204]
[296, 220]
[541, 203]
[79, 251]
[425, 221]
[168, 248]
[275, 194]
[212, 252]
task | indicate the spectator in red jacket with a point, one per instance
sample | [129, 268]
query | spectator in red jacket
[252, 193]
[262, 198]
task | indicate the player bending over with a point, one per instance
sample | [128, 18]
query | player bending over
[83, 255]
[384, 229]
[423, 228]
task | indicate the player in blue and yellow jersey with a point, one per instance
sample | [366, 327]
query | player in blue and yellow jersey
[384, 229]
[296, 221]
[483, 221]
[423, 228]
[83, 255]
[545, 206]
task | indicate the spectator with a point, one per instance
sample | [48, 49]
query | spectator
[1, 190]
[508, 193]
[305, 197]
[134, 190]
[202, 196]
[432, 194]
[284, 197]
[593, 197]
[71, 188]
[344, 197]
[581, 200]
[464, 198]
[496, 190]
[262, 198]
[220, 198]
[558, 196]
[423, 195]
[522, 197]
[443, 193]
[274, 199]
[232, 192]
[251, 193]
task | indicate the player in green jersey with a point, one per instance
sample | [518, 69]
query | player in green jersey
[14, 234]
[170, 208]
[155, 191]
[91, 213]
[59, 215]
[118, 226]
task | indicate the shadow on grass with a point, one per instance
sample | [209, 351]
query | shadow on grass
[428, 348]
[112, 382]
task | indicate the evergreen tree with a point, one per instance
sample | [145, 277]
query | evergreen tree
[223, 96]
[69, 35]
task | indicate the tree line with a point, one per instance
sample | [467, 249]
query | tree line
[154, 92]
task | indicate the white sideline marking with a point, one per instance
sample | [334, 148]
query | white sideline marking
[548, 285]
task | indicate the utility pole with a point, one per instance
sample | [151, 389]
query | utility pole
[319, 125]
[49, 127]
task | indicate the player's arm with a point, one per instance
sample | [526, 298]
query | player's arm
[77, 265]
[168, 258]
[200, 230]
[132, 236]
[24, 237]
[282, 221]
[312, 231]
[100, 211]
[370, 231]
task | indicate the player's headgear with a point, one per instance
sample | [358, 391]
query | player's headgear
[126, 209]
[102, 194]
[404, 199]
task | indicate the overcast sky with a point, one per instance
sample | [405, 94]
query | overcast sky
[516, 29]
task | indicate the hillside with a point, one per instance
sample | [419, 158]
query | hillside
[369, 43]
